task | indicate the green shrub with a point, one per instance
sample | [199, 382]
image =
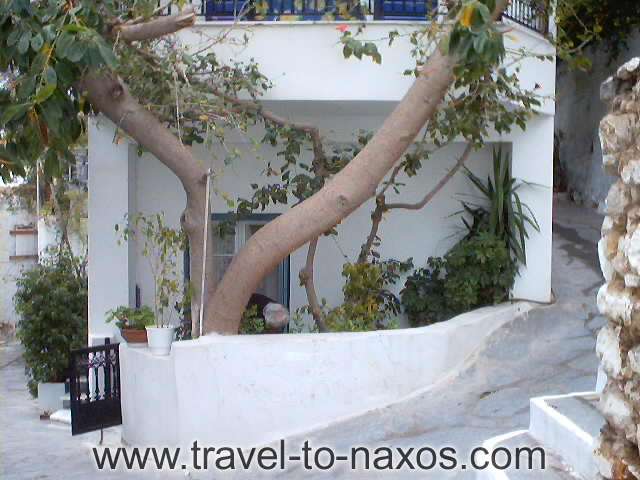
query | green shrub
[51, 300]
[252, 323]
[480, 271]
[368, 302]
[477, 271]
[423, 297]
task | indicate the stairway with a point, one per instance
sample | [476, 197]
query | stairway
[566, 426]
[64, 414]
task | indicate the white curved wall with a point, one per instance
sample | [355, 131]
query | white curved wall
[252, 389]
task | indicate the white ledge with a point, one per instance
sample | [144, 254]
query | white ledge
[253, 389]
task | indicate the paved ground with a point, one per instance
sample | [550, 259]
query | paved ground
[551, 350]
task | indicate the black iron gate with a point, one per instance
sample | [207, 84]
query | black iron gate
[94, 375]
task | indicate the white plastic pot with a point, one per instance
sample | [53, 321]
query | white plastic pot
[160, 339]
[50, 397]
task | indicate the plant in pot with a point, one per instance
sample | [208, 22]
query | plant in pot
[51, 299]
[132, 323]
[161, 246]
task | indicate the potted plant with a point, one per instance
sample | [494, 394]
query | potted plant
[132, 323]
[51, 300]
[161, 246]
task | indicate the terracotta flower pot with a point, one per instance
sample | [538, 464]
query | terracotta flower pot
[134, 336]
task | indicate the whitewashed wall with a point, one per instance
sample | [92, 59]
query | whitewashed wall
[283, 385]
[431, 231]
[10, 269]
[304, 58]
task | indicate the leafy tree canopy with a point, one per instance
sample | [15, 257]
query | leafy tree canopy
[608, 22]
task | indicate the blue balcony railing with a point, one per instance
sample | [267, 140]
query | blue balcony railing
[530, 13]
[318, 9]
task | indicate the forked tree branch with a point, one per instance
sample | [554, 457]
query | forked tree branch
[382, 206]
[439, 186]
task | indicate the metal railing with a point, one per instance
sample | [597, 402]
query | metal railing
[313, 9]
[276, 9]
[530, 13]
[94, 388]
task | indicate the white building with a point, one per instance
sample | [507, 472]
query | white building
[18, 251]
[313, 83]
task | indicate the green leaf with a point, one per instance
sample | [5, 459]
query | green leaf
[50, 76]
[23, 44]
[26, 87]
[37, 42]
[64, 44]
[13, 37]
[14, 111]
[74, 28]
[51, 165]
[44, 92]
[64, 72]
[76, 51]
[106, 53]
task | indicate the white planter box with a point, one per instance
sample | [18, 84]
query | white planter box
[50, 396]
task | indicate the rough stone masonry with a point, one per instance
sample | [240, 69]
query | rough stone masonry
[618, 344]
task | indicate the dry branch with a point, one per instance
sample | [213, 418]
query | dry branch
[382, 206]
[306, 279]
[156, 28]
[434, 191]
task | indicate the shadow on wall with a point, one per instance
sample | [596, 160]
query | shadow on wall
[578, 114]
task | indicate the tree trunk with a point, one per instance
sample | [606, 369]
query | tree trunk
[351, 187]
[110, 96]
[345, 192]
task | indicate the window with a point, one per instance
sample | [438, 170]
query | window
[276, 283]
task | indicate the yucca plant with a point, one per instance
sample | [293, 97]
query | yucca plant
[503, 214]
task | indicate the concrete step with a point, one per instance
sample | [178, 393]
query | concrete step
[61, 416]
[569, 426]
[554, 468]
[566, 427]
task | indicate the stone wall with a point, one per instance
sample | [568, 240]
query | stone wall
[618, 343]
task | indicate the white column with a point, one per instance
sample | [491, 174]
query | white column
[111, 196]
[532, 160]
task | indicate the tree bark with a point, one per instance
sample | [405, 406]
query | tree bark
[156, 28]
[306, 279]
[110, 96]
[376, 219]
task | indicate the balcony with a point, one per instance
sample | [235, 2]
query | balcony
[529, 13]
